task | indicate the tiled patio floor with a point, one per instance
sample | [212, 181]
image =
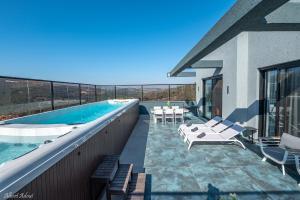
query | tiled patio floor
[207, 171]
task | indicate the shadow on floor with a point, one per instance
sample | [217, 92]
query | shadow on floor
[135, 148]
[290, 169]
[213, 193]
[175, 173]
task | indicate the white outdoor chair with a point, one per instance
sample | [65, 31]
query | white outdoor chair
[178, 114]
[169, 114]
[158, 114]
[157, 108]
[166, 107]
[175, 107]
[227, 136]
[297, 161]
[209, 124]
[280, 150]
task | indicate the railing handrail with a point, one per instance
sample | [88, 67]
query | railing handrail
[84, 93]
[66, 82]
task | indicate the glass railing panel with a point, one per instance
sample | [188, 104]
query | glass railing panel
[20, 97]
[65, 94]
[87, 94]
[155, 92]
[105, 92]
[129, 92]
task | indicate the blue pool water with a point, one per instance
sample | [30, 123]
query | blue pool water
[9, 151]
[72, 115]
[12, 147]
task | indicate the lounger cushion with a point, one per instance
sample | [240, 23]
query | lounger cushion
[290, 141]
[189, 124]
[222, 126]
[194, 129]
[213, 121]
[275, 152]
[201, 135]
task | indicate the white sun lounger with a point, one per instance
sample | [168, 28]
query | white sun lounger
[227, 136]
[206, 125]
[216, 129]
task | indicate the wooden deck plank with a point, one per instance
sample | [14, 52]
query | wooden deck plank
[107, 169]
[120, 183]
[137, 187]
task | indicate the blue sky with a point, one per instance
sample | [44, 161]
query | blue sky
[103, 41]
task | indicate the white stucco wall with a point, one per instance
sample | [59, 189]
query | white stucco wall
[227, 53]
[242, 57]
[267, 49]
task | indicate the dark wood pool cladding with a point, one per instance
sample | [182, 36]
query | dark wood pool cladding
[70, 177]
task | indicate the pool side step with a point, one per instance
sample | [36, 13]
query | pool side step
[137, 187]
[107, 169]
[119, 186]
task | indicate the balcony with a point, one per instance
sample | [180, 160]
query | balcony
[172, 171]
[204, 171]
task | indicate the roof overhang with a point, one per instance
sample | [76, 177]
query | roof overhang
[244, 15]
[185, 74]
[205, 64]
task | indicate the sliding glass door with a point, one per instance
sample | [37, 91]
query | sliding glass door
[282, 101]
[207, 103]
[270, 102]
[212, 96]
[217, 96]
[292, 101]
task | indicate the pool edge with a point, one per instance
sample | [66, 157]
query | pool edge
[23, 171]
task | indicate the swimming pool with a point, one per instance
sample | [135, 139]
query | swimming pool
[77, 150]
[71, 116]
[22, 135]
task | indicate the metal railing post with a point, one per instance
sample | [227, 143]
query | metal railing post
[52, 95]
[169, 93]
[79, 86]
[111, 91]
[95, 93]
[142, 92]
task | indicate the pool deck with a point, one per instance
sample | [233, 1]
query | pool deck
[206, 171]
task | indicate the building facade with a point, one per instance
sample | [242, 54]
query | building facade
[248, 67]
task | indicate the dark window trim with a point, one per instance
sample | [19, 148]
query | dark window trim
[219, 76]
[289, 64]
[213, 77]
[262, 93]
[262, 106]
[204, 99]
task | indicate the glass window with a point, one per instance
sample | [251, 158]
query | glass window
[271, 108]
[292, 109]
[282, 100]
[207, 98]
[217, 96]
[212, 98]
